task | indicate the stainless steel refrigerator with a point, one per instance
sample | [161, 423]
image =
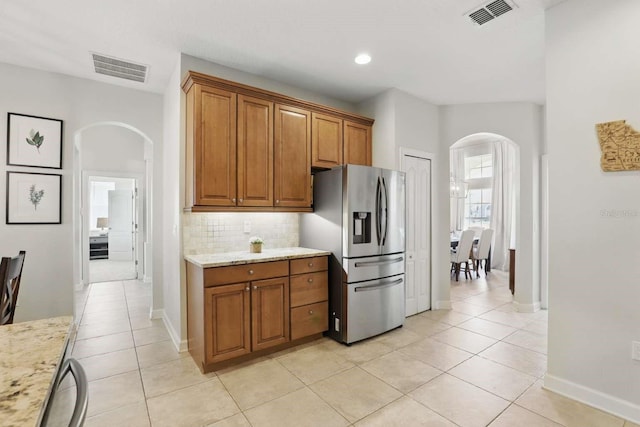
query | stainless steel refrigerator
[359, 215]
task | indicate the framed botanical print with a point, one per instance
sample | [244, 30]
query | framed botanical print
[34, 198]
[34, 141]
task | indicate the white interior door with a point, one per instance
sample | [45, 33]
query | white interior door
[121, 245]
[418, 246]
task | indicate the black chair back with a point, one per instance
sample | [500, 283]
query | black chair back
[10, 274]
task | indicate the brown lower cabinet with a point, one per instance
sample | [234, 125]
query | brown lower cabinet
[235, 313]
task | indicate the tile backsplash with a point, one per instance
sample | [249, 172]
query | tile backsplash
[224, 232]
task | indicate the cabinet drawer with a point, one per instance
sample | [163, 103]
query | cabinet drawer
[308, 265]
[245, 273]
[309, 288]
[309, 319]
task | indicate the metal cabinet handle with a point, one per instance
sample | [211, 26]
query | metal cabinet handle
[310, 311]
[255, 287]
[310, 280]
[241, 200]
[277, 201]
[250, 271]
[246, 289]
[233, 200]
[82, 392]
[310, 264]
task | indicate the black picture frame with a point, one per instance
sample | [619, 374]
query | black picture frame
[27, 192]
[34, 141]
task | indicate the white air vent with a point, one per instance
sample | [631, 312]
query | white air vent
[118, 68]
[490, 11]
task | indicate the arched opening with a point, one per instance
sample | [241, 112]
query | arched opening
[484, 192]
[119, 154]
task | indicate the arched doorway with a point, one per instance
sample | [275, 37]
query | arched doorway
[122, 152]
[484, 190]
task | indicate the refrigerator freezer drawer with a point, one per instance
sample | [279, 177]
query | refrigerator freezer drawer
[374, 307]
[370, 268]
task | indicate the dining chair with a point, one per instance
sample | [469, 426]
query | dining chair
[10, 274]
[481, 252]
[461, 254]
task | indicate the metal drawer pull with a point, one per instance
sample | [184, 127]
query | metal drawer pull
[250, 271]
[241, 200]
[310, 311]
[310, 280]
[310, 264]
[255, 287]
[246, 289]
[374, 263]
[380, 286]
[233, 200]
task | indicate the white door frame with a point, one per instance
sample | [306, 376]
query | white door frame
[85, 226]
[404, 151]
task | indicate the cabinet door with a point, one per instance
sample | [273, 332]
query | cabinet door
[269, 312]
[227, 321]
[215, 147]
[292, 184]
[357, 144]
[326, 141]
[255, 152]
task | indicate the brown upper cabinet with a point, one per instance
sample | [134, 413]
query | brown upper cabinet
[326, 141]
[251, 149]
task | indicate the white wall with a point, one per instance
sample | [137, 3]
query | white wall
[594, 217]
[112, 148]
[404, 121]
[47, 281]
[522, 124]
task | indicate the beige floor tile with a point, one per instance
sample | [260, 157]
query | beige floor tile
[487, 328]
[171, 376]
[159, 352]
[237, 420]
[196, 405]
[404, 412]
[464, 340]
[528, 340]
[101, 317]
[401, 371]
[493, 377]
[101, 345]
[355, 393]
[565, 411]
[460, 402]
[521, 359]
[142, 322]
[436, 354]
[314, 363]
[258, 383]
[423, 326]
[300, 408]
[99, 307]
[359, 352]
[114, 392]
[398, 338]
[134, 415]
[108, 364]
[515, 415]
[489, 301]
[101, 329]
[469, 309]
[450, 317]
[515, 320]
[537, 327]
[150, 335]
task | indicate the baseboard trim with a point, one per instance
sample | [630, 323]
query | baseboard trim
[442, 305]
[180, 345]
[605, 402]
[157, 314]
[527, 308]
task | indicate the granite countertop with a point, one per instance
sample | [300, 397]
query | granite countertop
[245, 257]
[30, 354]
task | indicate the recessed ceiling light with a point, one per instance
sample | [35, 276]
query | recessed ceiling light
[362, 59]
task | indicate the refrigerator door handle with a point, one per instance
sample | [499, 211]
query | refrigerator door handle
[375, 263]
[380, 286]
[386, 213]
[378, 211]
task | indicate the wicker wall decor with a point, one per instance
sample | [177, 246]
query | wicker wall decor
[620, 146]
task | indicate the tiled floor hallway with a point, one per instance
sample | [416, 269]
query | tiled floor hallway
[476, 365]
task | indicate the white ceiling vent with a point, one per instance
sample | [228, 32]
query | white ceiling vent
[118, 68]
[490, 11]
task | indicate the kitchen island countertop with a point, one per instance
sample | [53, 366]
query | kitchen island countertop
[30, 356]
[246, 257]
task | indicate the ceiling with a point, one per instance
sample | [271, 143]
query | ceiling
[427, 48]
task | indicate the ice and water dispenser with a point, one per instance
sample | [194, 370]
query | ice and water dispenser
[361, 227]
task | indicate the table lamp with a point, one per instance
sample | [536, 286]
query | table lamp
[102, 223]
